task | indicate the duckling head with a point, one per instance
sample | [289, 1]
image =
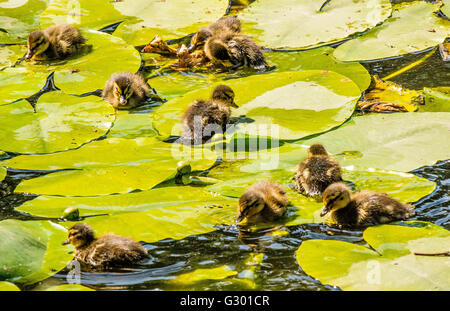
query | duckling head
[249, 205]
[37, 43]
[199, 39]
[79, 235]
[335, 196]
[224, 94]
[317, 150]
[122, 90]
[217, 50]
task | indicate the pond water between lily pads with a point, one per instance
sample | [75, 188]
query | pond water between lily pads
[225, 247]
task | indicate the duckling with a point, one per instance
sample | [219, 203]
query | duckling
[229, 23]
[263, 201]
[126, 90]
[239, 50]
[55, 42]
[106, 251]
[363, 208]
[317, 172]
[202, 119]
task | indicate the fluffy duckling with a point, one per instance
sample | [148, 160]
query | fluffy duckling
[126, 90]
[362, 209]
[106, 251]
[317, 172]
[55, 42]
[203, 118]
[239, 50]
[226, 23]
[263, 201]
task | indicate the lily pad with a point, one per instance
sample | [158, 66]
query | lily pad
[8, 287]
[287, 105]
[109, 166]
[365, 141]
[446, 8]
[394, 265]
[53, 207]
[31, 250]
[84, 14]
[413, 27]
[59, 122]
[69, 287]
[390, 141]
[180, 18]
[132, 125]
[294, 24]
[199, 275]
[436, 99]
[175, 222]
[79, 74]
[17, 18]
[3, 173]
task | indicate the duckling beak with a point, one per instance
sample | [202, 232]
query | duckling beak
[233, 104]
[324, 211]
[122, 100]
[240, 218]
[65, 242]
[29, 55]
[191, 48]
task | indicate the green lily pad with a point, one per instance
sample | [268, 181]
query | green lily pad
[413, 27]
[198, 275]
[78, 74]
[389, 141]
[52, 206]
[69, 287]
[436, 99]
[393, 266]
[60, 122]
[446, 8]
[132, 125]
[294, 24]
[285, 105]
[179, 18]
[3, 173]
[175, 222]
[382, 141]
[401, 186]
[109, 166]
[8, 287]
[31, 250]
[84, 14]
[319, 59]
[17, 18]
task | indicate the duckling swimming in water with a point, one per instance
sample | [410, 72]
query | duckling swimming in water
[55, 42]
[126, 90]
[362, 208]
[106, 251]
[226, 23]
[202, 119]
[317, 172]
[239, 50]
[263, 201]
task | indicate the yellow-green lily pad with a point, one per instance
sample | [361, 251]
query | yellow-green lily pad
[294, 24]
[286, 105]
[31, 250]
[168, 19]
[58, 122]
[412, 27]
[394, 265]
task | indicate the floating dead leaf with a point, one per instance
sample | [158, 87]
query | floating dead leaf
[390, 97]
[444, 48]
[159, 46]
[188, 60]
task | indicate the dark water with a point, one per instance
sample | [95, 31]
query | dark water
[279, 269]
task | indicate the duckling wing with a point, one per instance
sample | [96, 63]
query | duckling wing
[245, 50]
